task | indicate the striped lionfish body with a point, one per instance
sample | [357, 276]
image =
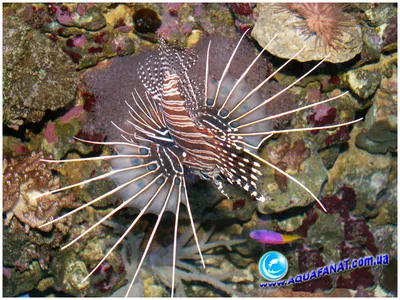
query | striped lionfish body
[199, 131]
[212, 127]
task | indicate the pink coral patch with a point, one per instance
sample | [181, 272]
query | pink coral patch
[314, 94]
[73, 113]
[7, 272]
[49, 133]
[79, 41]
[81, 9]
[64, 17]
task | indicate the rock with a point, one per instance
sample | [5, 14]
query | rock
[366, 173]
[386, 239]
[293, 156]
[87, 16]
[387, 280]
[290, 39]
[387, 206]
[328, 231]
[75, 271]
[291, 223]
[381, 137]
[380, 13]
[38, 76]
[21, 282]
[45, 283]
[380, 128]
[362, 82]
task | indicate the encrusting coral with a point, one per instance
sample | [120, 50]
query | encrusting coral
[25, 177]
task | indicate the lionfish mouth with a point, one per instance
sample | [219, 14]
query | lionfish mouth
[179, 125]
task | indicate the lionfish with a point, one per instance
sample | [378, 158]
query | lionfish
[212, 129]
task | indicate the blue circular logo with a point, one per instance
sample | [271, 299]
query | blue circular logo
[273, 266]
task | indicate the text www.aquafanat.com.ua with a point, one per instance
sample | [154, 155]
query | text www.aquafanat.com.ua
[344, 265]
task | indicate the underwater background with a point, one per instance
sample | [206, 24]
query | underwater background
[48, 52]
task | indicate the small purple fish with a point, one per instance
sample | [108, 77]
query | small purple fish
[273, 238]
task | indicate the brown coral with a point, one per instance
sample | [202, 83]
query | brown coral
[25, 177]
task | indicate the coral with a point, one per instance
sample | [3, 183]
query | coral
[25, 177]
[111, 84]
[289, 155]
[355, 279]
[323, 115]
[290, 39]
[44, 284]
[183, 22]
[70, 266]
[239, 205]
[357, 230]
[38, 76]
[310, 218]
[17, 283]
[310, 259]
[381, 35]
[58, 136]
[86, 32]
[241, 8]
[85, 15]
[380, 138]
[245, 15]
[339, 137]
[130, 254]
[342, 205]
[29, 249]
[337, 235]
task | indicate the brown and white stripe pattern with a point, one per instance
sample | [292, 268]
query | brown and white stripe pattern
[197, 152]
